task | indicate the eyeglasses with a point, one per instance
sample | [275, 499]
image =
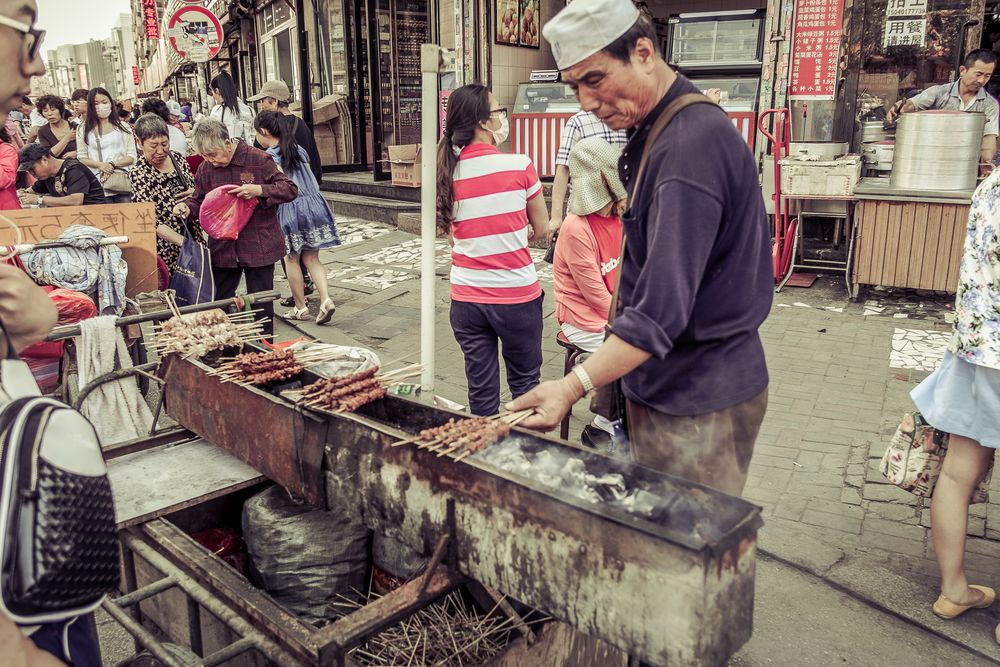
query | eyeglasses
[33, 38]
[502, 111]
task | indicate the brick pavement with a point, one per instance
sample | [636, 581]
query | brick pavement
[835, 400]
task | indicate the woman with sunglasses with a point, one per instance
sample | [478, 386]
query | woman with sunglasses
[490, 204]
[20, 52]
[162, 176]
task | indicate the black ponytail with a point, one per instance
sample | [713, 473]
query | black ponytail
[283, 128]
[467, 108]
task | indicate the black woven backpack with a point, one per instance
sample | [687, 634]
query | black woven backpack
[57, 520]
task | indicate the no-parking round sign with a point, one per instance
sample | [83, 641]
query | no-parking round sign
[195, 33]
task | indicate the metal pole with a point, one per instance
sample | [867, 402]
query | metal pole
[305, 79]
[430, 66]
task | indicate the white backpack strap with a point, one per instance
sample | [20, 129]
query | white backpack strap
[16, 380]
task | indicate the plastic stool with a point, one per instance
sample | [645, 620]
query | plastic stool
[572, 354]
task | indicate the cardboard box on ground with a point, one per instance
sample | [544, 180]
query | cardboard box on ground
[404, 163]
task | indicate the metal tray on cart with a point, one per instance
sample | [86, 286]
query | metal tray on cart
[678, 590]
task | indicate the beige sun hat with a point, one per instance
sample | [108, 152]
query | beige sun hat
[593, 171]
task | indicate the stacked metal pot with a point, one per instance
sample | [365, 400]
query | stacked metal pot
[937, 150]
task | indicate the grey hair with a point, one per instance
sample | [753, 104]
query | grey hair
[148, 126]
[209, 135]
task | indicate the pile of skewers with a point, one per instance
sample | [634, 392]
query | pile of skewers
[350, 392]
[197, 334]
[262, 368]
[464, 437]
[447, 633]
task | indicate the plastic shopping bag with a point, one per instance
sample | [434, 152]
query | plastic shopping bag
[224, 215]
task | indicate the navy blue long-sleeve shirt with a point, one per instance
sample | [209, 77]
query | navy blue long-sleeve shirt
[696, 281]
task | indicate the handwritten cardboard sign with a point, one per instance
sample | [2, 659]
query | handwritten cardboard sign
[136, 221]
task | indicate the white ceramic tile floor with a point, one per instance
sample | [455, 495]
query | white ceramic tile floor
[918, 349]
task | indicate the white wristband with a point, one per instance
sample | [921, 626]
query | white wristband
[584, 377]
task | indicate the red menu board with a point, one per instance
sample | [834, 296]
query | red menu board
[816, 49]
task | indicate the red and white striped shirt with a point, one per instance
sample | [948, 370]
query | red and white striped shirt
[490, 261]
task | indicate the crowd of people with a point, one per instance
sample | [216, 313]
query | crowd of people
[661, 268]
[92, 149]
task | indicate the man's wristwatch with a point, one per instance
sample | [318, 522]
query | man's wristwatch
[584, 378]
[41, 200]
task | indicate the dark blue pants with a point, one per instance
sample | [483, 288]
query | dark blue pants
[518, 327]
[78, 636]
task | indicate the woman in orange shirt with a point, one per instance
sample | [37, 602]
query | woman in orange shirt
[589, 252]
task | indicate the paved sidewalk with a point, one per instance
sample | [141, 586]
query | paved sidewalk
[841, 373]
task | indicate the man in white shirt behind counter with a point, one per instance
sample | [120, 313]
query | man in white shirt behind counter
[966, 94]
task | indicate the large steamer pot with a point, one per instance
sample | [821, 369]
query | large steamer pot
[937, 150]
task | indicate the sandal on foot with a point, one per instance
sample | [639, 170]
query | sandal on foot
[297, 314]
[946, 609]
[326, 311]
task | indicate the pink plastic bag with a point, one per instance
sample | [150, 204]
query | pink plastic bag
[223, 216]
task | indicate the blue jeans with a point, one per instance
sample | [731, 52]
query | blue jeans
[79, 636]
[518, 327]
[118, 197]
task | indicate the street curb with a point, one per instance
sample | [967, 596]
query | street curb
[883, 589]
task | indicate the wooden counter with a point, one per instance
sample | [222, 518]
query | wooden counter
[907, 240]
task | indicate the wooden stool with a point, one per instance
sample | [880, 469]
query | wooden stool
[572, 354]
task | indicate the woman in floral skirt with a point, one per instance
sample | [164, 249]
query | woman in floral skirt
[962, 398]
[307, 221]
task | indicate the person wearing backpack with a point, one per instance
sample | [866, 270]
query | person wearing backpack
[230, 110]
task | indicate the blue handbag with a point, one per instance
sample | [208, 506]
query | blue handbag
[192, 280]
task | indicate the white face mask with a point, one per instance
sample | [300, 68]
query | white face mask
[500, 135]
[103, 110]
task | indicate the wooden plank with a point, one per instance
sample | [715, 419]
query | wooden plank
[891, 250]
[959, 233]
[136, 221]
[929, 248]
[882, 213]
[942, 266]
[864, 241]
[560, 645]
[905, 243]
[170, 477]
[918, 233]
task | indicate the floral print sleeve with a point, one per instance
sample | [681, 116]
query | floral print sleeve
[977, 303]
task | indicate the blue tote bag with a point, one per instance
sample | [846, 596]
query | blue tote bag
[192, 280]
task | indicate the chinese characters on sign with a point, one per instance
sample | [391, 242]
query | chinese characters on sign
[150, 19]
[906, 8]
[816, 49]
[904, 32]
[135, 75]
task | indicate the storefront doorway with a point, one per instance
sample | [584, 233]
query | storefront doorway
[375, 66]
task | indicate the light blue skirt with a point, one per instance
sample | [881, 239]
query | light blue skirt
[962, 398]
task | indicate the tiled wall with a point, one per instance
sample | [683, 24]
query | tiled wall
[512, 65]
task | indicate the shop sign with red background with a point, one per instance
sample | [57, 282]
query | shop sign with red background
[150, 19]
[816, 49]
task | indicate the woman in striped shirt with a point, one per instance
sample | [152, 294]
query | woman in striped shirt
[490, 203]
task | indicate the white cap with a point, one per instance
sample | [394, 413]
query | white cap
[585, 27]
[174, 107]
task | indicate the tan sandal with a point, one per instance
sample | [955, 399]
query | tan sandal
[946, 609]
[297, 314]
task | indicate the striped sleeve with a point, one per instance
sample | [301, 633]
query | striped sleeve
[532, 185]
